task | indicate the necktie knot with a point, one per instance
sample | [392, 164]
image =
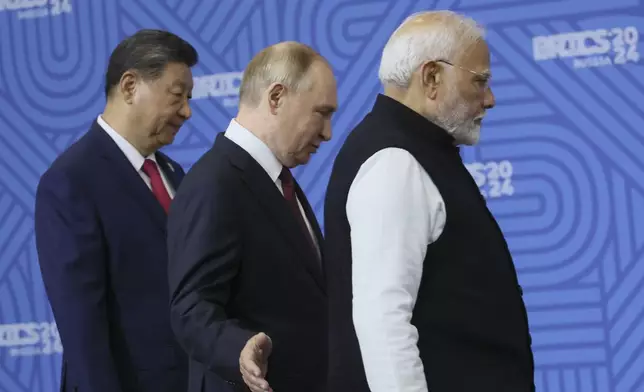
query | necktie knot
[286, 177]
[150, 168]
[159, 190]
[287, 184]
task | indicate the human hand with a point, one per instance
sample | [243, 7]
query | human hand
[253, 362]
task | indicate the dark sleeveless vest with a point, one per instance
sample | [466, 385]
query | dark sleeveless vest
[470, 315]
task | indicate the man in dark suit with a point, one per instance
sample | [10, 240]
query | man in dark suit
[101, 225]
[248, 299]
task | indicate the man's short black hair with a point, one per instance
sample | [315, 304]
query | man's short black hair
[148, 52]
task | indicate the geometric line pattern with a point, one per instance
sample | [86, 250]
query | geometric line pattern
[565, 139]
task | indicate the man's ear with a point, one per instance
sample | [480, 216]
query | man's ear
[128, 85]
[276, 94]
[431, 77]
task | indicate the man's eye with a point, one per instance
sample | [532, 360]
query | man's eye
[482, 82]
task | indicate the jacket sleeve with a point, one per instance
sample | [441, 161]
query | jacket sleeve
[204, 253]
[72, 258]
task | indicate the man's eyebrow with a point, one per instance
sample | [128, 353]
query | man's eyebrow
[183, 86]
[486, 73]
[326, 108]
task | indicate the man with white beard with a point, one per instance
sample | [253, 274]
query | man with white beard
[422, 291]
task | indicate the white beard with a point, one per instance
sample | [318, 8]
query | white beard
[453, 117]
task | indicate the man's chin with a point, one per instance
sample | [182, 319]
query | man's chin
[473, 139]
[470, 137]
[304, 159]
[166, 139]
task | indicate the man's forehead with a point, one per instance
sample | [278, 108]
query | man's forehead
[182, 82]
[321, 71]
[179, 78]
[477, 58]
[177, 71]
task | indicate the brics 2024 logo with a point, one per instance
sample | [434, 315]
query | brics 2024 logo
[30, 339]
[224, 86]
[494, 179]
[590, 48]
[30, 9]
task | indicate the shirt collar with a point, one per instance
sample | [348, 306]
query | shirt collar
[132, 154]
[255, 148]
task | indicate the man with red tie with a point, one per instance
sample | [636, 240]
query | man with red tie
[100, 223]
[248, 299]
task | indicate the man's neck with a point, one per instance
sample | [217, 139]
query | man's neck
[256, 126]
[121, 126]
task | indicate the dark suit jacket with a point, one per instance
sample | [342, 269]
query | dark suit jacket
[101, 240]
[239, 264]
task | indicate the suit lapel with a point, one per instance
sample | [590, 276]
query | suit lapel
[171, 172]
[274, 204]
[128, 177]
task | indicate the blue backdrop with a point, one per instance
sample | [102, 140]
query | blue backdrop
[561, 160]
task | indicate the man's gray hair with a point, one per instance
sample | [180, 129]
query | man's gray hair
[446, 37]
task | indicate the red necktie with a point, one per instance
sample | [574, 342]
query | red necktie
[288, 186]
[158, 187]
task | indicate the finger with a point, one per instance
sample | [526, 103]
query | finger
[254, 388]
[249, 373]
[256, 384]
[262, 341]
[251, 367]
[256, 354]
[255, 378]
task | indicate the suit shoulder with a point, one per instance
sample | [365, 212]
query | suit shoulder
[211, 184]
[73, 164]
[210, 173]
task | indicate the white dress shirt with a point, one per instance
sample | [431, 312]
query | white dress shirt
[134, 156]
[267, 160]
[395, 211]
